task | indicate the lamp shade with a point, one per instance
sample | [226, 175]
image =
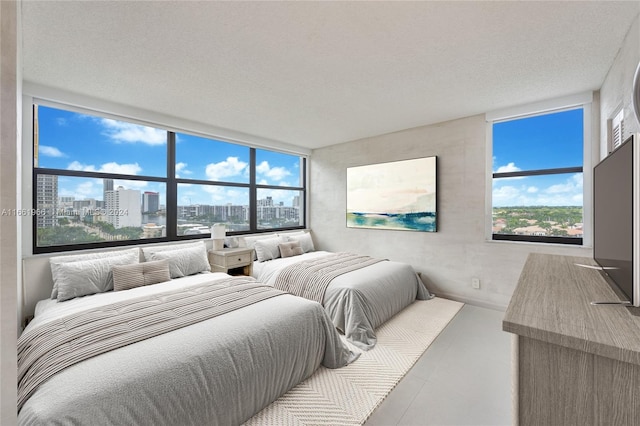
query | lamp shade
[218, 231]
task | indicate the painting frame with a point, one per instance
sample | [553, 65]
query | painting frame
[396, 195]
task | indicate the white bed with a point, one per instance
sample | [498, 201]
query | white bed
[361, 300]
[217, 371]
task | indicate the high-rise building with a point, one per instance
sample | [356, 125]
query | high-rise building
[122, 208]
[47, 201]
[107, 185]
[150, 202]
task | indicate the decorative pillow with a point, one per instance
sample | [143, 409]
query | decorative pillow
[306, 243]
[86, 277]
[149, 250]
[250, 242]
[184, 261]
[290, 249]
[57, 261]
[140, 274]
[267, 249]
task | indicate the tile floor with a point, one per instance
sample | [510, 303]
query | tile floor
[463, 378]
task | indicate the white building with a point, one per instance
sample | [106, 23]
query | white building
[122, 208]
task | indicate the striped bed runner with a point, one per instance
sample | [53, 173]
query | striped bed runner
[310, 278]
[47, 349]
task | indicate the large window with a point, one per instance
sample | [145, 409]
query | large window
[537, 181]
[102, 182]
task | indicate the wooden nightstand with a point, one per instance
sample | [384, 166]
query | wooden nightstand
[233, 261]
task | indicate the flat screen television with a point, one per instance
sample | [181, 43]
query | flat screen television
[616, 198]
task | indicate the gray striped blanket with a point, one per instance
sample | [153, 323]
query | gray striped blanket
[55, 345]
[310, 278]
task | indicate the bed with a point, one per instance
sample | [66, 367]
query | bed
[216, 370]
[357, 301]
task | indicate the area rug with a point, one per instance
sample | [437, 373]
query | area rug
[348, 395]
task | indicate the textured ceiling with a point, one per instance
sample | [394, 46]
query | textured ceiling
[314, 74]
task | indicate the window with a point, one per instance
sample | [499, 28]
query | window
[101, 182]
[537, 176]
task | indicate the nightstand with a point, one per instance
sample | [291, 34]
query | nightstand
[233, 261]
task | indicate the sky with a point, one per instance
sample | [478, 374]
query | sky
[541, 142]
[74, 141]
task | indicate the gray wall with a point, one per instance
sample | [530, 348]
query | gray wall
[459, 251]
[10, 86]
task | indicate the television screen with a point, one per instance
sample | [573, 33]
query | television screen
[614, 209]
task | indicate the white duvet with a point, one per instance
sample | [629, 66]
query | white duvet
[359, 301]
[217, 372]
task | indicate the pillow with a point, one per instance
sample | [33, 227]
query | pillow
[267, 249]
[250, 242]
[184, 261]
[140, 274]
[290, 249]
[91, 276]
[56, 261]
[148, 251]
[306, 243]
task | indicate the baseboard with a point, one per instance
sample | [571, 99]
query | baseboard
[472, 301]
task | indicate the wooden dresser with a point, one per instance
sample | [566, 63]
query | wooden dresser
[574, 363]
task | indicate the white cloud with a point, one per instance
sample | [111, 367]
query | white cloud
[511, 167]
[571, 185]
[120, 131]
[130, 184]
[274, 173]
[50, 151]
[112, 167]
[181, 169]
[568, 192]
[230, 167]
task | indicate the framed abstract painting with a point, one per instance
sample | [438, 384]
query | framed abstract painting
[399, 195]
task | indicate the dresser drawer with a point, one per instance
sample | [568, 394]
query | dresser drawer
[239, 259]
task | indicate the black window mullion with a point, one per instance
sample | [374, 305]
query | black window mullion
[171, 208]
[253, 192]
[541, 172]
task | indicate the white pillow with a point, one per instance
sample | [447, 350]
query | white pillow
[184, 261]
[306, 243]
[267, 249]
[250, 242]
[56, 261]
[91, 276]
[149, 250]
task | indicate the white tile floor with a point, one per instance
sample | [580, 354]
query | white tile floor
[464, 377]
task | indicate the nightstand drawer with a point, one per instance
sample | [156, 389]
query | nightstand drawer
[239, 259]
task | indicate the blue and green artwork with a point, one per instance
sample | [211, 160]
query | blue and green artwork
[399, 195]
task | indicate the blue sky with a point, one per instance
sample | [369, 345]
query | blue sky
[540, 142]
[73, 141]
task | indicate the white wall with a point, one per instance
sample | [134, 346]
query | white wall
[459, 250]
[616, 91]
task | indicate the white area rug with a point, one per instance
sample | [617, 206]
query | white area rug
[348, 395]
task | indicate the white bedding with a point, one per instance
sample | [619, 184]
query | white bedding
[359, 301]
[219, 371]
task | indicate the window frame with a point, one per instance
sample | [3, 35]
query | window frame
[171, 182]
[581, 100]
